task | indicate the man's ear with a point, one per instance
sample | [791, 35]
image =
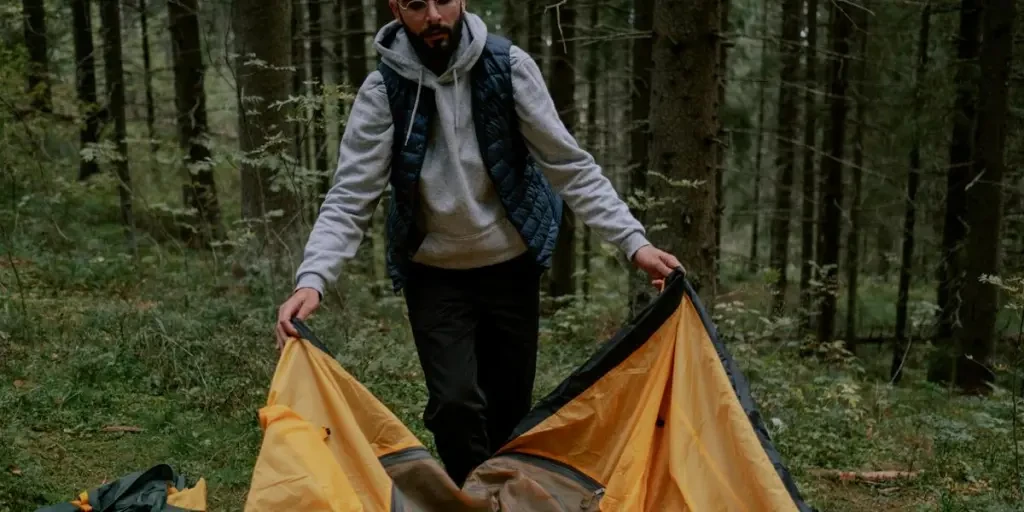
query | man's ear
[394, 9]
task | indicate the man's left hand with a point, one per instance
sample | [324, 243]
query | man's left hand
[657, 263]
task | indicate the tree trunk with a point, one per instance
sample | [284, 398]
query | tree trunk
[913, 179]
[975, 334]
[316, 67]
[853, 253]
[383, 14]
[262, 33]
[563, 92]
[684, 123]
[190, 96]
[809, 168]
[34, 26]
[953, 232]
[85, 84]
[786, 156]
[147, 75]
[110, 18]
[639, 134]
[832, 167]
[755, 206]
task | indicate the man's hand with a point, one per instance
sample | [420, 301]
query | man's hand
[303, 302]
[657, 263]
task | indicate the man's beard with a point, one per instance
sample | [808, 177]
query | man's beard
[436, 57]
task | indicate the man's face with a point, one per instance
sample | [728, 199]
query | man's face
[432, 21]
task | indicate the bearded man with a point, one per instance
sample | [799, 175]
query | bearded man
[460, 124]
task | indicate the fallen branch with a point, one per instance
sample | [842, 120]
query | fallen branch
[864, 476]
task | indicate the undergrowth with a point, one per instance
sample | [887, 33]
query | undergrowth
[178, 345]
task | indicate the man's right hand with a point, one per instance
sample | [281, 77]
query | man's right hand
[303, 302]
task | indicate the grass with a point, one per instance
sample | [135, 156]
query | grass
[180, 345]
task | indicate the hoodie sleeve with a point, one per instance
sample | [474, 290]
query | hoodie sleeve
[364, 162]
[571, 170]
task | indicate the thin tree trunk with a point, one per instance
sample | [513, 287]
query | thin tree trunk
[355, 46]
[809, 168]
[85, 84]
[298, 48]
[147, 76]
[853, 253]
[975, 335]
[534, 30]
[832, 167]
[316, 66]
[593, 132]
[639, 136]
[34, 27]
[786, 157]
[190, 95]
[684, 87]
[913, 180]
[755, 206]
[110, 18]
[720, 148]
[510, 19]
[563, 92]
[262, 31]
[960, 154]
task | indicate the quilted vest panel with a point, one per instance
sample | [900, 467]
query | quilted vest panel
[530, 203]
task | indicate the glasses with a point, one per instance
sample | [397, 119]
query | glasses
[421, 5]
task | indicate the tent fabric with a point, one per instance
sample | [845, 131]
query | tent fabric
[157, 489]
[659, 418]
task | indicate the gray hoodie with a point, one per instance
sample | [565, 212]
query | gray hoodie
[465, 222]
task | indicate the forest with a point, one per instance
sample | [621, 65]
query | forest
[841, 180]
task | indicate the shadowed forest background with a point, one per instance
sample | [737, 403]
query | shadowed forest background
[842, 181]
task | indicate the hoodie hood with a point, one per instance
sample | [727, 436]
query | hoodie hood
[392, 44]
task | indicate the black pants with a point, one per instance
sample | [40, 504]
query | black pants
[476, 335]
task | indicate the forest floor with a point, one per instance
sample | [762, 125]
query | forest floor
[179, 346]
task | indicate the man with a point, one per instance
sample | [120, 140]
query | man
[461, 125]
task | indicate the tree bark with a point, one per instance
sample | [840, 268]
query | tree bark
[974, 336]
[190, 99]
[684, 123]
[832, 167]
[639, 133]
[34, 27]
[786, 157]
[910, 215]
[960, 153]
[85, 84]
[110, 18]
[262, 33]
[809, 168]
[563, 93]
[147, 75]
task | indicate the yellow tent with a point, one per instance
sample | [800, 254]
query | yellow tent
[659, 418]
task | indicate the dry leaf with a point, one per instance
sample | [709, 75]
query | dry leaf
[19, 383]
[121, 428]
[15, 470]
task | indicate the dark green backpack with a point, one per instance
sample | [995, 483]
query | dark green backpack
[141, 491]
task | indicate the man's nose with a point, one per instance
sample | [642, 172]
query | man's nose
[433, 16]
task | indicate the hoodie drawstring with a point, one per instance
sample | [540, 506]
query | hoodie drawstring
[415, 105]
[455, 72]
